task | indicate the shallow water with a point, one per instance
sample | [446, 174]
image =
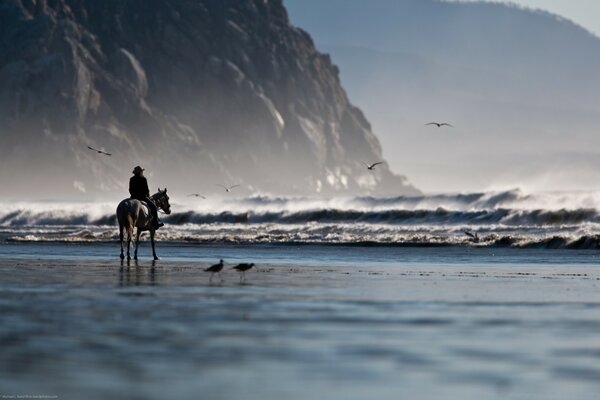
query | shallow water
[334, 322]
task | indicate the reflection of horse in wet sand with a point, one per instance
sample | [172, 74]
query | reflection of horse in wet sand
[132, 213]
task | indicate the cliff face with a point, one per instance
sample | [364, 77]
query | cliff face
[198, 92]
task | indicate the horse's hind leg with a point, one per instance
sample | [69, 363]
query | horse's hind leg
[137, 243]
[121, 240]
[129, 235]
[152, 241]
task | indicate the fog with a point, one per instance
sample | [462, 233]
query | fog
[583, 12]
[521, 87]
[199, 93]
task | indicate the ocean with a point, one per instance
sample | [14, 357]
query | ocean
[499, 219]
[350, 298]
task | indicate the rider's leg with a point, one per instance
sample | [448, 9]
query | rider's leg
[154, 212]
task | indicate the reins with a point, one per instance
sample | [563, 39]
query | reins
[158, 202]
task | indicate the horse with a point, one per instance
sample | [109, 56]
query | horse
[132, 213]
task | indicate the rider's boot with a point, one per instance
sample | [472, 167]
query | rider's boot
[156, 221]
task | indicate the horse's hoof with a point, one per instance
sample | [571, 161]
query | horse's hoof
[135, 258]
[156, 258]
[128, 258]
[122, 257]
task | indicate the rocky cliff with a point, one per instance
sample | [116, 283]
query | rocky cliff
[198, 92]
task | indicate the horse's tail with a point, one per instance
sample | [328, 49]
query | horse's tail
[125, 217]
[130, 224]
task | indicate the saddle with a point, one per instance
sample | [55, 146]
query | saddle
[149, 212]
[146, 210]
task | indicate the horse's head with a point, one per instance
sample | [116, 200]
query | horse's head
[161, 199]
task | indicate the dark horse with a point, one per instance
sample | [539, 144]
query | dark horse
[132, 213]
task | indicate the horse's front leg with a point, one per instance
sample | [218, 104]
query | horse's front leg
[137, 242]
[152, 242]
[121, 240]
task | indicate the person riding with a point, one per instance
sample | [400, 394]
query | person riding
[138, 189]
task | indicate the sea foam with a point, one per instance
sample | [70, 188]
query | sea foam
[506, 218]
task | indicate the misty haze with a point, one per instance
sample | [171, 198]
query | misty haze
[521, 86]
[299, 199]
[199, 94]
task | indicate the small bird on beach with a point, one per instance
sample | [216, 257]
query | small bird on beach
[474, 236]
[228, 188]
[440, 124]
[215, 269]
[99, 151]
[243, 267]
[371, 167]
[196, 195]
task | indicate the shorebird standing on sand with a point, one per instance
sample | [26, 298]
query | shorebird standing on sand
[243, 267]
[215, 269]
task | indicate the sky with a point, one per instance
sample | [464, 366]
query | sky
[582, 12]
[521, 89]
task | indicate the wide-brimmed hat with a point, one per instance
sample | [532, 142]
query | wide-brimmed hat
[138, 169]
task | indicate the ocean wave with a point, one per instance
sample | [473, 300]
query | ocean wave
[483, 211]
[330, 237]
[469, 201]
[507, 199]
[27, 217]
[438, 216]
[501, 219]
[458, 202]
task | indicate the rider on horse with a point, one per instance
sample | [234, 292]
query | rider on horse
[138, 189]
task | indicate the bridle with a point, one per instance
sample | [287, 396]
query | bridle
[158, 199]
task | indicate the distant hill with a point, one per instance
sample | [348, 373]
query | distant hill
[522, 86]
[199, 92]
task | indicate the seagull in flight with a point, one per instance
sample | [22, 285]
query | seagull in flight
[439, 124]
[196, 195]
[371, 166]
[474, 236]
[228, 189]
[99, 151]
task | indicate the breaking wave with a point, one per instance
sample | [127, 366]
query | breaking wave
[509, 218]
[439, 216]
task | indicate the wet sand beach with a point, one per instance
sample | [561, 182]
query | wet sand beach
[387, 327]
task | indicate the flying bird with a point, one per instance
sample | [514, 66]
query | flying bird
[228, 188]
[371, 166]
[439, 124]
[196, 195]
[243, 267]
[99, 151]
[215, 269]
[474, 236]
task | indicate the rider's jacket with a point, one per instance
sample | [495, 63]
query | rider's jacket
[138, 187]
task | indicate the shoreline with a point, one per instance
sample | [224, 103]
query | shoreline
[555, 242]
